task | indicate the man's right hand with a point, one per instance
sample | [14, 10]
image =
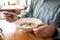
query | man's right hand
[11, 17]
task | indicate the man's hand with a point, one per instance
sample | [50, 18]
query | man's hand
[11, 17]
[44, 30]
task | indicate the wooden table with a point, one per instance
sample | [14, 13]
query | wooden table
[12, 7]
[16, 8]
[11, 32]
[23, 35]
[8, 28]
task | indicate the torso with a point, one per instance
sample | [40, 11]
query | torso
[45, 9]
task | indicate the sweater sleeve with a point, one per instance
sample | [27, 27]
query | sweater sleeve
[27, 13]
[56, 22]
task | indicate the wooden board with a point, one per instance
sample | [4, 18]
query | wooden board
[12, 7]
[22, 35]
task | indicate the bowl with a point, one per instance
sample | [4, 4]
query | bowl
[27, 24]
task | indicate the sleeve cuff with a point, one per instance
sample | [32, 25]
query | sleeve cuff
[57, 34]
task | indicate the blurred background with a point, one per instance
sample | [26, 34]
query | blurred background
[9, 28]
[19, 3]
[14, 2]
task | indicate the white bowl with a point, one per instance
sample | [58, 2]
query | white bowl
[27, 23]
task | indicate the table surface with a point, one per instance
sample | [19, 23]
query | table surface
[8, 28]
[12, 7]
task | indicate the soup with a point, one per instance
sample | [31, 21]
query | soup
[28, 25]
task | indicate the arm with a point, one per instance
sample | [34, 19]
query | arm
[55, 21]
[29, 13]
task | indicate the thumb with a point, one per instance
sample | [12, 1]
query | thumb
[41, 24]
[35, 29]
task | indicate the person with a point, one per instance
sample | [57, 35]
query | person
[46, 10]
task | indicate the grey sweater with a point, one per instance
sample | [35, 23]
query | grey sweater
[46, 10]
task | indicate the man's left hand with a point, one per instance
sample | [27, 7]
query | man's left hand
[44, 30]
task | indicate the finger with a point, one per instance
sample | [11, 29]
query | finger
[7, 14]
[41, 24]
[11, 19]
[35, 30]
[8, 18]
[11, 16]
[39, 28]
[12, 13]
